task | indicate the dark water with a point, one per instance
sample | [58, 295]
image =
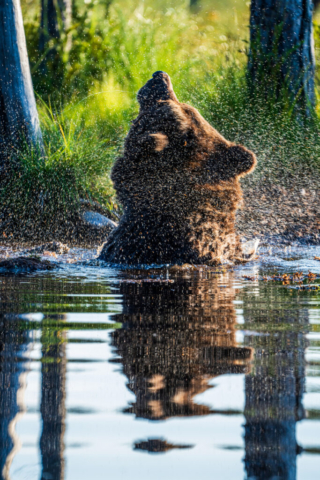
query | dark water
[107, 374]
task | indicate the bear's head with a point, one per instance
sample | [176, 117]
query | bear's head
[173, 138]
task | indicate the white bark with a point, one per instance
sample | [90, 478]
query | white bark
[19, 119]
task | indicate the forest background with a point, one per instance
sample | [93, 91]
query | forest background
[86, 82]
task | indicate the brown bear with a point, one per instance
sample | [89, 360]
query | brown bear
[178, 183]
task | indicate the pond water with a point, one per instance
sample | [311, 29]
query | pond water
[160, 374]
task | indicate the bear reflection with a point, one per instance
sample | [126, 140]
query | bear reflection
[175, 338]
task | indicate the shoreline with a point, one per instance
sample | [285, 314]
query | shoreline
[277, 214]
[274, 214]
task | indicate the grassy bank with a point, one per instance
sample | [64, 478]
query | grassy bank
[86, 99]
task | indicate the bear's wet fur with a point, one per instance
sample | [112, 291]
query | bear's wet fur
[178, 183]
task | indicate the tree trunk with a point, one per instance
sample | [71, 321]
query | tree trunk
[53, 398]
[55, 15]
[13, 345]
[274, 388]
[194, 6]
[19, 120]
[274, 399]
[281, 58]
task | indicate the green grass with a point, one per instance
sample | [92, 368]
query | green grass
[86, 108]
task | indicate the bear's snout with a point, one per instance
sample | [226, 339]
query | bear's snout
[158, 88]
[160, 73]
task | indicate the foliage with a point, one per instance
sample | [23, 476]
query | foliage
[59, 71]
[49, 188]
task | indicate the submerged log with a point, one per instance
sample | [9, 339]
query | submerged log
[24, 265]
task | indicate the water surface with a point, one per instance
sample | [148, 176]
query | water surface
[155, 374]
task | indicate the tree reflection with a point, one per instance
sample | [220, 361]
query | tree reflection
[13, 345]
[275, 387]
[53, 411]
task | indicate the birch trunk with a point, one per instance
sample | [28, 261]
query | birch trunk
[281, 58]
[19, 120]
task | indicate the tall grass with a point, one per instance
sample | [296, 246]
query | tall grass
[76, 166]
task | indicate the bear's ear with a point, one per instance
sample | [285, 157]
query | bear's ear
[240, 160]
[161, 141]
[228, 162]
